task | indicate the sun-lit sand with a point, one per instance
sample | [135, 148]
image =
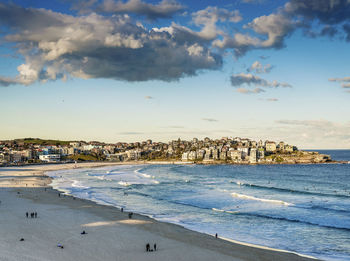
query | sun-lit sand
[111, 235]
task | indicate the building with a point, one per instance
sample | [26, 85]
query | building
[200, 154]
[270, 146]
[236, 155]
[50, 158]
[223, 155]
[244, 150]
[261, 153]
[289, 148]
[184, 156]
[281, 146]
[192, 155]
[215, 154]
[253, 155]
[133, 154]
[74, 144]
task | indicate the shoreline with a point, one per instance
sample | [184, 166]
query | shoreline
[226, 247]
[170, 162]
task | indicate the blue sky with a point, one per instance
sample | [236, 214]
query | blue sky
[132, 70]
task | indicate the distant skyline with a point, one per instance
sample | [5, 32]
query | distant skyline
[133, 70]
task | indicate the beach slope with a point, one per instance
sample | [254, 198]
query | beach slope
[111, 234]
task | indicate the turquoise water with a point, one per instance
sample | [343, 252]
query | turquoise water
[301, 208]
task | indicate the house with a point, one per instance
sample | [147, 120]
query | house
[281, 146]
[270, 146]
[261, 153]
[50, 158]
[192, 155]
[236, 155]
[184, 156]
[253, 155]
[289, 148]
[215, 153]
[244, 151]
[223, 155]
[200, 154]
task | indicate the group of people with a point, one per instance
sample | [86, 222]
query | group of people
[149, 249]
[32, 215]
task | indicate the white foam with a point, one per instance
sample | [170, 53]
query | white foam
[124, 183]
[272, 201]
[77, 184]
[226, 211]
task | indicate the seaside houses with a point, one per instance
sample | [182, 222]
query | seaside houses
[226, 149]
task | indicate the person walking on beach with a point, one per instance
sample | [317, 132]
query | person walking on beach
[35, 214]
[216, 235]
[147, 247]
[155, 247]
[26, 214]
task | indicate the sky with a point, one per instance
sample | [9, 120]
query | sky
[130, 70]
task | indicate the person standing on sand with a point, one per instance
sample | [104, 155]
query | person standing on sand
[155, 247]
[147, 247]
[35, 214]
[216, 235]
[26, 214]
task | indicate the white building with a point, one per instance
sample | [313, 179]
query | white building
[192, 155]
[185, 156]
[236, 155]
[244, 151]
[50, 157]
[252, 155]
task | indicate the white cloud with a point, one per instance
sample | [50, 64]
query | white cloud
[209, 119]
[57, 46]
[250, 79]
[257, 67]
[345, 82]
[247, 91]
[317, 133]
[164, 9]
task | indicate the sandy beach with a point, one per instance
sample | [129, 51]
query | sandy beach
[111, 235]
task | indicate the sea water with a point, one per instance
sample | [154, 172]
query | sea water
[300, 208]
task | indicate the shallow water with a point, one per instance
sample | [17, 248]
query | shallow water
[301, 208]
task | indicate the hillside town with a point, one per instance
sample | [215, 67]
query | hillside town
[225, 150]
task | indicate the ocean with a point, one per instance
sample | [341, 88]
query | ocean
[299, 208]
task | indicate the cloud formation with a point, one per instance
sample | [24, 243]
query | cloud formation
[164, 9]
[271, 30]
[59, 46]
[257, 67]
[209, 119]
[345, 82]
[249, 79]
[322, 132]
[247, 91]
[321, 128]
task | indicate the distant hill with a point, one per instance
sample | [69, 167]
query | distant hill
[37, 141]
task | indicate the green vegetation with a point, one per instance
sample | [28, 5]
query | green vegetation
[36, 141]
